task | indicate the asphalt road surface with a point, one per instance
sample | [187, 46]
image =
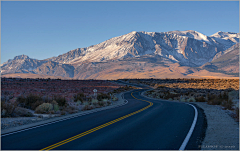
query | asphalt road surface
[142, 124]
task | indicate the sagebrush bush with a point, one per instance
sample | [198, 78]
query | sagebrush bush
[214, 101]
[86, 103]
[105, 100]
[30, 102]
[101, 103]
[228, 104]
[60, 100]
[182, 100]
[79, 97]
[102, 96]
[85, 107]
[71, 109]
[200, 99]
[109, 102]
[94, 101]
[171, 95]
[55, 107]
[44, 108]
[114, 98]
[23, 112]
[191, 99]
[7, 109]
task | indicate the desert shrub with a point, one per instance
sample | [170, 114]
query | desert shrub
[150, 92]
[55, 105]
[171, 95]
[214, 101]
[182, 100]
[200, 99]
[23, 112]
[101, 103]
[102, 96]
[86, 103]
[94, 101]
[91, 107]
[109, 102]
[78, 102]
[104, 100]
[228, 104]
[71, 109]
[224, 96]
[60, 100]
[44, 108]
[63, 113]
[30, 102]
[191, 99]
[114, 98]
[8, 108]
[85, 107]
[79, 97]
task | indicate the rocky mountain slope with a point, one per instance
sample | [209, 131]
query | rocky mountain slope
[227, 62]
[134, 51]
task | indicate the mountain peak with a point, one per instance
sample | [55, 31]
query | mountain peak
[221, 34]
[21, 57]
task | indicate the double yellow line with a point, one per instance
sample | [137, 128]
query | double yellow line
[99, 127]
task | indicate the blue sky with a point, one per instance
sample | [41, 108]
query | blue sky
[45, 29]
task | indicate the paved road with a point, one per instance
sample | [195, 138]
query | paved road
[161, 125]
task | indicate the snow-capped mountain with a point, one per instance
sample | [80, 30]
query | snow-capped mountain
[24, 64]
[188, 48]
[20, 64]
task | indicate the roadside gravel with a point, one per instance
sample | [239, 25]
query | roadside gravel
[222, 132]
[17, 121]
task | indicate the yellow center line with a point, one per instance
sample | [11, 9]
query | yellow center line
[98, 127]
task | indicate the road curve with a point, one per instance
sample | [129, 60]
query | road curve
[142, 124]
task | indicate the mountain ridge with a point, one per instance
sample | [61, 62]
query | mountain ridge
[186, 48]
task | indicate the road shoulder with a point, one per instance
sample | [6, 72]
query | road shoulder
[222, 131]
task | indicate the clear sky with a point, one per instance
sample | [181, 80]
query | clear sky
[45, 29]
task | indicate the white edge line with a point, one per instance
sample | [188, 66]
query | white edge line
[184, 144]
[18, 131]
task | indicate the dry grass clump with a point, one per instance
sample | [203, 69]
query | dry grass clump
[44, 108]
